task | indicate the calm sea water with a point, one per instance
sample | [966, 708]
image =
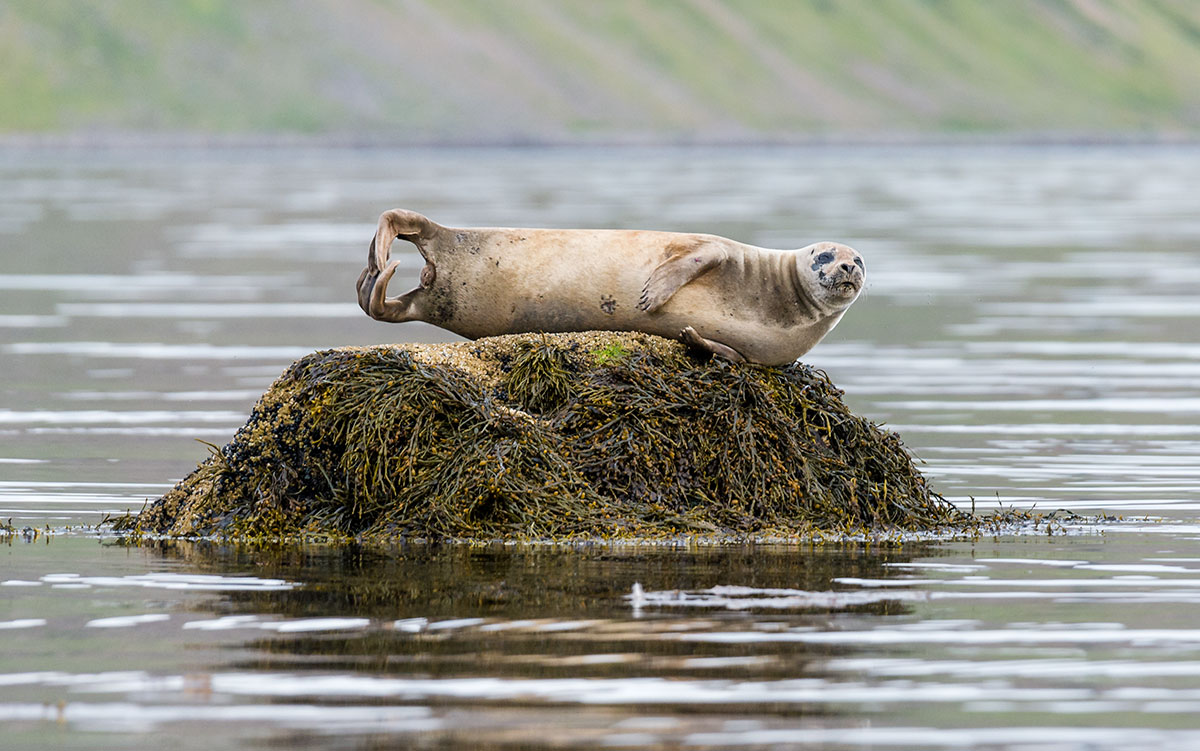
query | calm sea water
[1029, 327]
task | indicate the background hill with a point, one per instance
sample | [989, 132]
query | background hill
[551, 70]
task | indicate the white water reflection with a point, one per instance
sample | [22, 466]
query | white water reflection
[127, 621]
[1040, 668]
[1023, 636]
[1088, 738]
[142, 285]
[132, 417]
[157, 351]
[567, 690]
[128, 717]
[210, 310]
[172, 581]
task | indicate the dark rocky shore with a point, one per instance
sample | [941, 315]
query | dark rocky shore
[565, 436]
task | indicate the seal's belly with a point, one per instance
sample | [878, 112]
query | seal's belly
[546, 280]
[743, 328]
[524, 281]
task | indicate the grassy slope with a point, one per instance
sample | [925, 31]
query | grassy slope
[418, 69]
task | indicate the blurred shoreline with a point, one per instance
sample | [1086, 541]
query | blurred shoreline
[161, 140]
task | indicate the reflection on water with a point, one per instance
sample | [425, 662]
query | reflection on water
[949, 645]
[1029, 328]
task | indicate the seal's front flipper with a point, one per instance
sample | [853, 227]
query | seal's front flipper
[695, 341]
[686, 261]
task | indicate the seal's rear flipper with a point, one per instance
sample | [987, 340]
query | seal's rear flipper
[373, 299]
[695, 341]
[686, 261]
[394, 223]
[372, 282]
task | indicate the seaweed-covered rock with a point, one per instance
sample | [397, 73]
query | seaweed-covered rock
[597, 434]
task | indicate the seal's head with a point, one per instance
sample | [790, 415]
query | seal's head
[838, 271]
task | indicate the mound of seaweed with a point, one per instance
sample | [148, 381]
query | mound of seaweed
[596, 434]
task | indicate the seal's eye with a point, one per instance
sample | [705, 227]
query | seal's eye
[824, 258]
[859, 261]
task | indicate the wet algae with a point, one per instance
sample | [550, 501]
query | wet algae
[564, 436]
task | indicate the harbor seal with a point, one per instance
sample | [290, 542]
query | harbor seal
[725, 297]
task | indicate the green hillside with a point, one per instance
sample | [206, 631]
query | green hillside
[417, 70]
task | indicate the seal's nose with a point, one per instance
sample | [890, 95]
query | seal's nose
[848, 267]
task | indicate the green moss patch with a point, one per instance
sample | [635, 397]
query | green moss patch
[604, 435]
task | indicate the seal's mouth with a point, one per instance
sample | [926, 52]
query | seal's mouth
[844, 284]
